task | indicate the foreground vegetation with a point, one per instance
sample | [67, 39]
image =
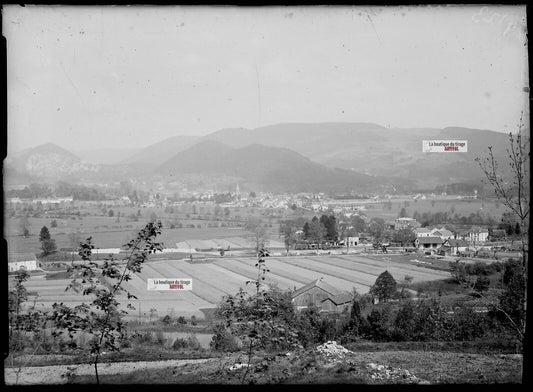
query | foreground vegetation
[260, 331]
[308, 367]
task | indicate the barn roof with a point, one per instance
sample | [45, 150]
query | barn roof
[341, 298]
[320, 283]
[445, 232]
[457, 242]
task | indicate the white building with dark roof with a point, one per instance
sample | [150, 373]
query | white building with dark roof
[478, 235]
[17, 261]
[422, 232]
[443, 233]
[431, 242]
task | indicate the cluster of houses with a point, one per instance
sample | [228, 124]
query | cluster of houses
[444, 242]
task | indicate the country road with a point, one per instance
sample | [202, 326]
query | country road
[46, 375]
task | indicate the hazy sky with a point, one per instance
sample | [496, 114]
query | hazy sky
[91, 77]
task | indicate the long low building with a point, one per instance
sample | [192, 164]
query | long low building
[26, 261]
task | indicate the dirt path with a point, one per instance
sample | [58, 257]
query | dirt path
[56, 374]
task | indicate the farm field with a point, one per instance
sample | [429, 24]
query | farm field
[112, 235]
[223, 276]
[439, 204]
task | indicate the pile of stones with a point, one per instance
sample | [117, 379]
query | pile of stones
[389, 374]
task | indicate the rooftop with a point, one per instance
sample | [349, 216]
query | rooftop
[457, 242]
[333, 291]
[429, 240]
[341, 298]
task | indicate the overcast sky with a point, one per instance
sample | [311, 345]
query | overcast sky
[91, 77]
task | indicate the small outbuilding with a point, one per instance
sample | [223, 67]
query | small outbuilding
[321, 295]
[455, 246]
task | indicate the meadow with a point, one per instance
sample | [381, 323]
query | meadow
[107, 233]
[449, 204]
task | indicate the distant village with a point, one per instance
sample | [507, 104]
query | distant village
[434, 240]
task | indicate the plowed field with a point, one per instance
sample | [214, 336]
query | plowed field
[223, 276]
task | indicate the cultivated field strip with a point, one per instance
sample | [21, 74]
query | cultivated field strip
[398, 270]
[363, 278]
[62, 298]
[166, 270]
[239, 279]
[137, 286]
[184, 302]
[54, 291]
[200, 287]
[42, 283]
[306, 275]
[47, 302]
[340, 278]
[352, 265]
[274, 275]
[47, 290]
[384, 263]
[204, 272]
[249, 272]
[226, 281]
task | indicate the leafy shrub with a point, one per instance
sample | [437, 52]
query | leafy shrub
[125, 343]
[223, 340]
[179, 343]
[191, 342]
[160, 338]
[143, 338]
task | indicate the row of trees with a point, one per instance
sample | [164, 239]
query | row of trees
[443, 217]
[76, 191]
[316, 230]
[329, 229]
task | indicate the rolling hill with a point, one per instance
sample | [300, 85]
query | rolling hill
[106, 156]
[160, 152]
[270, 168]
